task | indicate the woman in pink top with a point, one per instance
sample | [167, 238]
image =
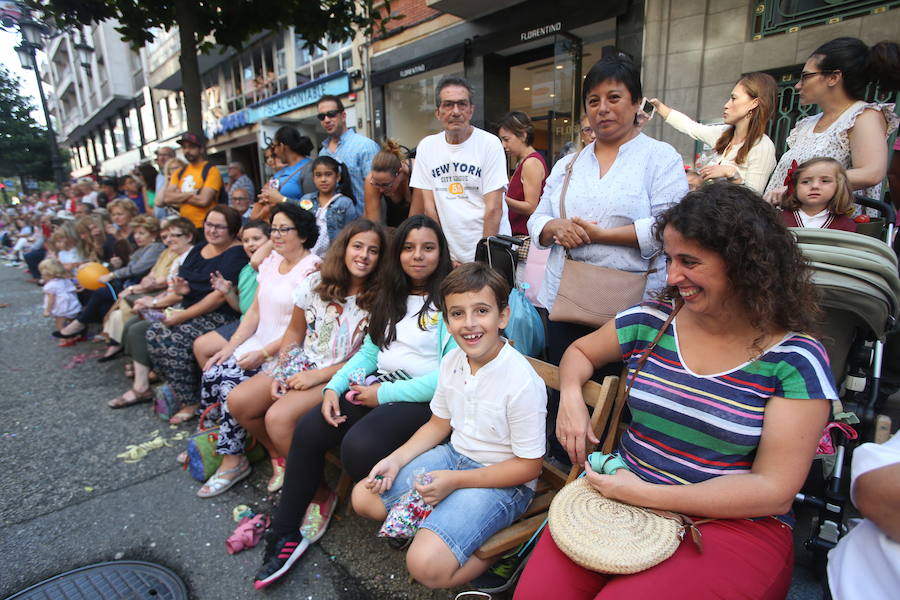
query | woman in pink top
[294, 232]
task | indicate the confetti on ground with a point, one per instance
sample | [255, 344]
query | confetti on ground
[88, 488]
[137, 452]
[80, 359]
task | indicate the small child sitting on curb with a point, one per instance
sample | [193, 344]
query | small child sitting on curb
[492, 404]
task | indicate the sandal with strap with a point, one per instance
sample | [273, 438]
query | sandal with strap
[122, 401]
[220, 483]
[184, 415]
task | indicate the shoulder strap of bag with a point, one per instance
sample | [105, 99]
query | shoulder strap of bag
[204, 173]
[643, 359]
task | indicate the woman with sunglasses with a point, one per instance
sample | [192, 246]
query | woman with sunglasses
[388, 197]
[850, 130]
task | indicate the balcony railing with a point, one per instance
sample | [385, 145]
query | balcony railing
[787, 16]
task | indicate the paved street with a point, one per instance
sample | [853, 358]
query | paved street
[66, 501]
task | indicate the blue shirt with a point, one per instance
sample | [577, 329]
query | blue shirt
[356, 151]
[289, 180]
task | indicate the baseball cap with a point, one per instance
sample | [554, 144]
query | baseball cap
[192, 138]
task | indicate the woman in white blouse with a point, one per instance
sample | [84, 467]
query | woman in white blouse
[619, 183]
[743, 152]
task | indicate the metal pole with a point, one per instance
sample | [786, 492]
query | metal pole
[55, 159]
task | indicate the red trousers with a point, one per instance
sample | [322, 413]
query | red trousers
[741, 559]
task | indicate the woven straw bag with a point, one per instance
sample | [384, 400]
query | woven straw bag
[608, 536]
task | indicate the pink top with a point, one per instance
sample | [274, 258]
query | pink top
[275, 296]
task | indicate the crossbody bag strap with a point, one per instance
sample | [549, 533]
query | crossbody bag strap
[643, 359]
[562, 194]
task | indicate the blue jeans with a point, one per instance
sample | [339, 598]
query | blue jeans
[468, 517]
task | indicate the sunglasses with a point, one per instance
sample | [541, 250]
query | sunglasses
[328, 115]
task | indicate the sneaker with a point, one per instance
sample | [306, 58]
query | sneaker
[279, 557]
[505, 572]
[317, 517]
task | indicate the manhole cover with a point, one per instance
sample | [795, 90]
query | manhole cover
[119, 580]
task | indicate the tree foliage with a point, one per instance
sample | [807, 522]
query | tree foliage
[24, 149]
[205, 23]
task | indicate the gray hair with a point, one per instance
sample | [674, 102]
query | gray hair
[236, 165]
[452, 80]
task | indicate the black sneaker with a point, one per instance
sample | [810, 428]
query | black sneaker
[505, 572]
[280, 555]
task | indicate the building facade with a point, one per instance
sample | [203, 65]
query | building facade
[102, 108]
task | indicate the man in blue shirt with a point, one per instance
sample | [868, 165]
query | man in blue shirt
[345, 145]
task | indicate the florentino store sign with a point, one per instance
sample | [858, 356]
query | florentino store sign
[335, 84]
[539, 32]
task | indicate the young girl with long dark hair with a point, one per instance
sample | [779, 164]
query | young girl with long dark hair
[406, 341]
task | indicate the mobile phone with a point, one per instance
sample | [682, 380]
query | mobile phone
[647, 109]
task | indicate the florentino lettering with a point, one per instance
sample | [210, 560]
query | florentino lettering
[457, 167]
[541, 31]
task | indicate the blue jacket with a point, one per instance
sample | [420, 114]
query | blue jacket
[417, 389]
[341, 210]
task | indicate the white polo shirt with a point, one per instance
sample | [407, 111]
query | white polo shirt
[498, 413]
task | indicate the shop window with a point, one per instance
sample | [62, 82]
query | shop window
[788, 16]
[409, 105]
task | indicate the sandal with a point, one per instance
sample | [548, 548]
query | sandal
[220, 483]
[277, 478]
[184, 415]
[122, 401]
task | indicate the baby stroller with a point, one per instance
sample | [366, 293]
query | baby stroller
[857, 276]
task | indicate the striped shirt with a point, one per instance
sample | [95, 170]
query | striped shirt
[687, 428]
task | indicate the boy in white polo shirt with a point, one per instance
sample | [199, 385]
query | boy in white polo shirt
[493, 405]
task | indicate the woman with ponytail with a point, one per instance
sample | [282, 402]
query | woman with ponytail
[743, 152]
[388, 197]
[850, 130]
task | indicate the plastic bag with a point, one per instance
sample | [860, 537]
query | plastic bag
[407, 513]
[525, 328]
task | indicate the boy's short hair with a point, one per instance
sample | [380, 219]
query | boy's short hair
[474, 277]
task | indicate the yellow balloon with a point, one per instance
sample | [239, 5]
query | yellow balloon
[89, 274]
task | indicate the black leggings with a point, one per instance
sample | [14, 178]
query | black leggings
[98, 304]
[367, 436]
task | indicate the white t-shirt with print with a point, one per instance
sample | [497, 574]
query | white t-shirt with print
[414, 350]
[496, 414]
[460, 175]
[334, 330]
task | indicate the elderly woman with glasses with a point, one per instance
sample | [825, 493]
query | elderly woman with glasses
[849, 129]
[203, 308]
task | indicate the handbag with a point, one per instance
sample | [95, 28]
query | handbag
[202, 458]
[590, 295]
[608, 536]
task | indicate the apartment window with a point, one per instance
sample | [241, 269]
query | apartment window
[315, 62]
[787, 16]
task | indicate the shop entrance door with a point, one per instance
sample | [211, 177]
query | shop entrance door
[544, 83]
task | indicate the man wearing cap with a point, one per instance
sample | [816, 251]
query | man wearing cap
[163, 154]
[345, 145]
[194, 189]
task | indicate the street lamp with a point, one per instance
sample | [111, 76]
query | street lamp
[32, 32]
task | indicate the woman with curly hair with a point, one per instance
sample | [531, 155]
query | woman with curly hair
[731, 399]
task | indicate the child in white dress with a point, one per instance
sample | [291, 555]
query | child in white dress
[60, 300]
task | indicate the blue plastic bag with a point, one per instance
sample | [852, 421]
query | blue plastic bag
[525, 328]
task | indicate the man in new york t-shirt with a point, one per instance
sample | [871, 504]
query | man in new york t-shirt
[461, 173]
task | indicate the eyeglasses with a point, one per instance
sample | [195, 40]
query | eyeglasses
[807, 74]
[328, 114]
[382, 186]
[172, 234]
[282, 230]
[449, 104]
[215, 227]
[587, 130]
